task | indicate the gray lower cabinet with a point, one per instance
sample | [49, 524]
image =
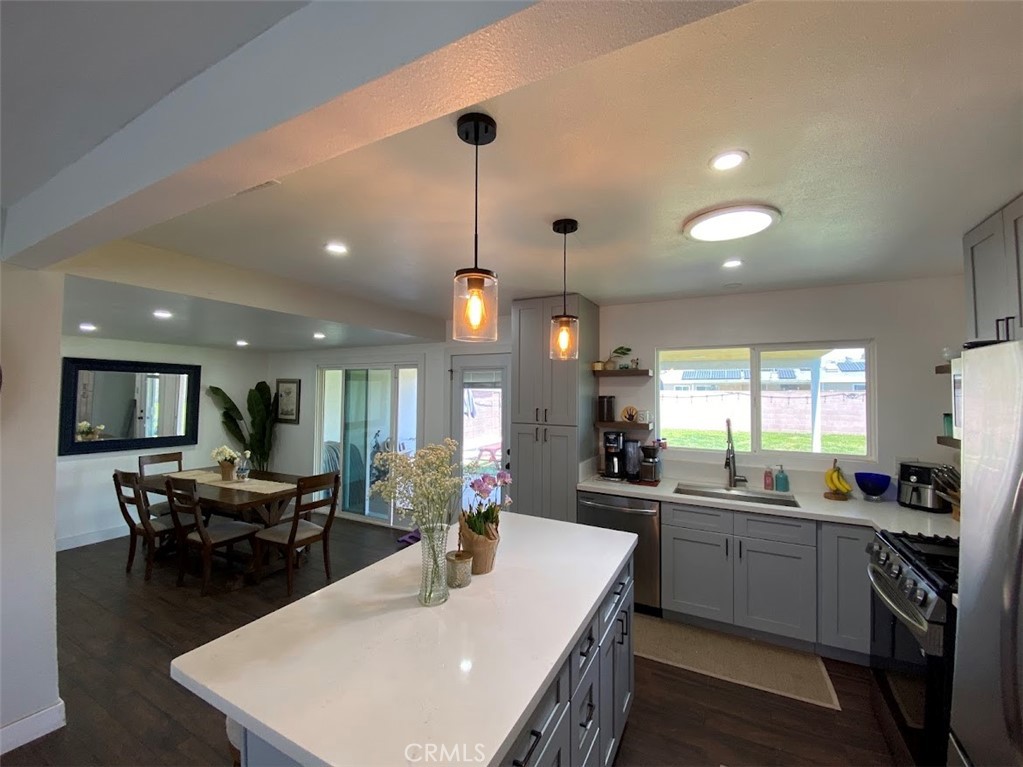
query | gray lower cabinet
[527, 468]
[776, 588]
[696, 573]
[843, 613]
[545, 464]
[580, 718]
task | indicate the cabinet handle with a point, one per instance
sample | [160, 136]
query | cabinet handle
[621, 637]
[538, 409]
[740, 548]
[998, 333]
[536, 435]
[1008, 324]
[536, 736]
[590, 708]
[589, 646]
[544, 433]
[726, 548]
[625, 623]
[545, 409]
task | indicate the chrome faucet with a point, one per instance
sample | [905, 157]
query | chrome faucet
[733, 478]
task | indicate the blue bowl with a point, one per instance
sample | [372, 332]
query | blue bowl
[872, 485]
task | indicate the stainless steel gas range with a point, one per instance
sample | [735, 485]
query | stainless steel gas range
[913, 578]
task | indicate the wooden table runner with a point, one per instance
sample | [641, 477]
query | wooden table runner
[262, 486]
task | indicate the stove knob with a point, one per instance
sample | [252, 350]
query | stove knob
[882, 556]
[919, 597]
[908, 585]
[895, 570]
[873, 547]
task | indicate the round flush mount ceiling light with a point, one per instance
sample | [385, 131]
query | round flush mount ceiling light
[162, 314]
[241, 342]
[732, 263]
[733, 158]
[319, 336]
[336, 248]
[87, 327]
[730, 223]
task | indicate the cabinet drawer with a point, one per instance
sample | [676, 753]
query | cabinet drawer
[583, 653]
[585, 711]
[782, 529]
[612, 601]
[697, 517]
[539, 729]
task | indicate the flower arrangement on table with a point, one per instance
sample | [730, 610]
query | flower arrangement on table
[478, 525]
[86, 432]
[226, 459]
[424, 485]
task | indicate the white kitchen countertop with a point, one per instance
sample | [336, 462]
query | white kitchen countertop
[355, 672]
[885, 515]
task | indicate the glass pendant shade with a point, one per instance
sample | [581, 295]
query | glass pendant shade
[474, 309]
[564, 337]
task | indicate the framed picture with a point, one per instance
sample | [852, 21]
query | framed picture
[289, 399]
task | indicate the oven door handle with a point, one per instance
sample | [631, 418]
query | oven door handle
[886, 592]
[1010, 627]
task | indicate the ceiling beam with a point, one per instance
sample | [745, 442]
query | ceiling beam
[327, 79]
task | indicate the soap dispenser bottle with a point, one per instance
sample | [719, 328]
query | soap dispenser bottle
[768, 479]
[781, 480]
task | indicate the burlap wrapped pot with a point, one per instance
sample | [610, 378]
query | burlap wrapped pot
[483, 547]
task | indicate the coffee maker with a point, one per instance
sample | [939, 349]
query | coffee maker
[650, 468]
[614, 455]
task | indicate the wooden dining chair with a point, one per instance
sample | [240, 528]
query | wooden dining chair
[298, 532]
[141, 523]
[193, 532]
[160, 508]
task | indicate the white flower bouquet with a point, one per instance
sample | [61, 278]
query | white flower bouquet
[86, 431]
[224, 453]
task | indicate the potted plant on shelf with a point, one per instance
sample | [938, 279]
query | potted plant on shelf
[478, 525]
[424, 486]
[226, 459]
[616, 354]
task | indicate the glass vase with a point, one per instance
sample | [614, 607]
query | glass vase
[242, 467]
[433, 583]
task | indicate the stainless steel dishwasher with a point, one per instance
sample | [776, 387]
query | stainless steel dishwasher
[633, 515]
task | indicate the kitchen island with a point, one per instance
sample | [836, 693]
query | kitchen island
[510, 668]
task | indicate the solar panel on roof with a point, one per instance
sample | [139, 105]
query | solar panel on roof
[853, 366]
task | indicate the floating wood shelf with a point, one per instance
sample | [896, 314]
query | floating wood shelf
[624, 373]
[945, 369]
[951, 442]
[625, 425]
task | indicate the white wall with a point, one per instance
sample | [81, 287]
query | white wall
[30, 356]
[910, 322]
[86, 510]
[295, 449]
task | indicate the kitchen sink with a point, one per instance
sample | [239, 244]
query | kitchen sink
[738, 494]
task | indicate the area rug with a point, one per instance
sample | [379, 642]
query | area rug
[789, 673]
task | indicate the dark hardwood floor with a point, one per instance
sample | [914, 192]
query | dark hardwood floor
[117, 635]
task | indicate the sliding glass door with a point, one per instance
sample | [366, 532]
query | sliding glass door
[366, 411]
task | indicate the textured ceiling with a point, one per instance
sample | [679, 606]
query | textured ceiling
[882, 131]
[125, 312]
[73, 73]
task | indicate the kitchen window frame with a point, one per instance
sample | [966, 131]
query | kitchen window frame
[755, 350]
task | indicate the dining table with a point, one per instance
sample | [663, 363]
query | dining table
[262, 498]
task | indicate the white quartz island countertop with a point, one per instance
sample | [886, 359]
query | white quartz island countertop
[359, 671]
[883, 515]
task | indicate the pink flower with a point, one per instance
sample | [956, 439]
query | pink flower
[504, 478]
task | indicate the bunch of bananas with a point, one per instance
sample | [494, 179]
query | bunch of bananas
[835, 481]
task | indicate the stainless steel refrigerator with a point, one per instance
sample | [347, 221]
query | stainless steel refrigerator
[987, 725]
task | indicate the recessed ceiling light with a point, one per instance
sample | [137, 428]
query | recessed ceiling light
[87, 327]
[733, 158]
[730, 223]
[732, 263]
[319, 336]
[162, 314]
[240, 342]
[337, 248]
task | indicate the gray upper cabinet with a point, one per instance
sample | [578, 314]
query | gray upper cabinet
[546, 391]
[843, 613]
[696, 573]
[776, 588]
[992, 265]
[1012, 222]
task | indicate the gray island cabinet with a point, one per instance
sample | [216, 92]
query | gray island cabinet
[532, 664]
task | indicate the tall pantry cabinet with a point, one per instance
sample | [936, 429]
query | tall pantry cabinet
[552, 407]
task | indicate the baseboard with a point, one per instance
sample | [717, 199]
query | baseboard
[84, 539]
[32, 727]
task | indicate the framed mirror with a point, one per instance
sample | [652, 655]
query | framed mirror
[110, 405]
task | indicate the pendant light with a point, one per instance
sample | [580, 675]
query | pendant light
[474, 313]
[565, 326]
